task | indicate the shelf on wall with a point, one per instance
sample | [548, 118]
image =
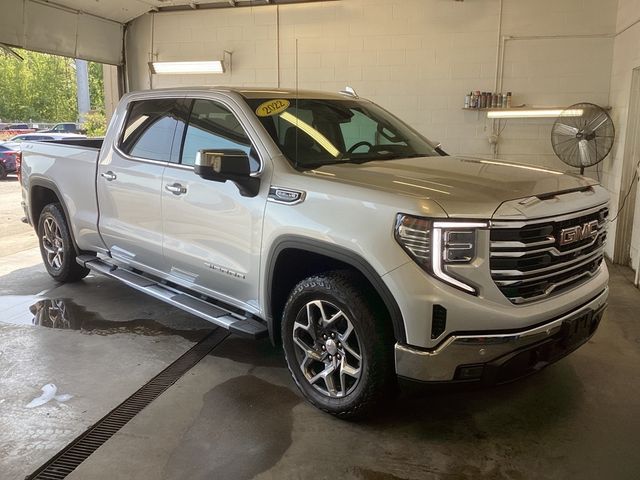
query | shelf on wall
[523, 111]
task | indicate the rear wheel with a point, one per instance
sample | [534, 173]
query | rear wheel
[56, 246]
[338, 346]
[3, 172]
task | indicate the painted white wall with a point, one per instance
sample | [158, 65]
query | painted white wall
[414, 57]
[626, 57]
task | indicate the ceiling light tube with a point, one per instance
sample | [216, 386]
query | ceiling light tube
[535, 113]
[195, 67]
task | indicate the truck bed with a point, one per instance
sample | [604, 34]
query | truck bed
[69, 168]
[92, 143]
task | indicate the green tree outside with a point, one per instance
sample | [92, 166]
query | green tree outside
[42, 88]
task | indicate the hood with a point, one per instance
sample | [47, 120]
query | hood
[463, 187]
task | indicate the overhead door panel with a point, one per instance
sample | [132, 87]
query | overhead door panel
[60, 31]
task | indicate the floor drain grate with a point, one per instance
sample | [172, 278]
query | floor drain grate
[68, 459]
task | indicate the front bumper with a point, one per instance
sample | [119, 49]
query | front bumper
[497, 357]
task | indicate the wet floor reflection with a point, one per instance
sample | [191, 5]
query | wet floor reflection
[65, 314]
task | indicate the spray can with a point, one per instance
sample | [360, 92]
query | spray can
[504, 100]
[467, 100]
[509, 100]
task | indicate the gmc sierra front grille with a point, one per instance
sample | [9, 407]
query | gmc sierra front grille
[534, 259]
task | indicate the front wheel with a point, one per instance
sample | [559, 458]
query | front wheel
[338, 345]
[56, 246]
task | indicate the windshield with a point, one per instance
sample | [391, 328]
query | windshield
[313, 132]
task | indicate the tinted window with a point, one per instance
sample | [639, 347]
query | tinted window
[315, 132]
[150, 128]
[213, 126]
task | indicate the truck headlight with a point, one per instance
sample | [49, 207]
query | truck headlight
[434, 244]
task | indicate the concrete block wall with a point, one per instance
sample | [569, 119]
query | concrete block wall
[626, 57]
[417, 58]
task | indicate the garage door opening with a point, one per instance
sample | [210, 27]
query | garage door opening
[53, 95]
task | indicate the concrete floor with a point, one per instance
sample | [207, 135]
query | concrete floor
[237, 414]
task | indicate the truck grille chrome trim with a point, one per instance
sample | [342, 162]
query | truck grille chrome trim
[528, 263]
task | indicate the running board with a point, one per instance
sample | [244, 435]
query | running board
[234, 322]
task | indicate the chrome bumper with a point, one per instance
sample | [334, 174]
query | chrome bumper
[441, 363]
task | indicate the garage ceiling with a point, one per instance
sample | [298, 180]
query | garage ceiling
[91, 29]
[124, 11]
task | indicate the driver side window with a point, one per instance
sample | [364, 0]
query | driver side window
[212, 126]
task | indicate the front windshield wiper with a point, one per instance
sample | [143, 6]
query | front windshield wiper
[389, 156]
[361, 160]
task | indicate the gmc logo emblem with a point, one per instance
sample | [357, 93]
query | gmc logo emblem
[579, 232]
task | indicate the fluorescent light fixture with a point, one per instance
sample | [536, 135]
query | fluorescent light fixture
[535, 113]
[203, 67]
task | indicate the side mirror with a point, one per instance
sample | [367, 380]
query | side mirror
[227, 164]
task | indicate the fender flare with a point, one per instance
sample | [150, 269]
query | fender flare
[343, 255]
[37, 181]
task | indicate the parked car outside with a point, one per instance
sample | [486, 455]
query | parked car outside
[13, 129]
[66, 127]
[17, 126]
[8, 153]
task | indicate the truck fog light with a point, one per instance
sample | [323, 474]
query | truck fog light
[470, 372]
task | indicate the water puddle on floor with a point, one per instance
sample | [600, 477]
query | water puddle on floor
[64, 314]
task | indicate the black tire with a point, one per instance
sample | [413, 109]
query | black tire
[53, 233]
[3, 172]
[339, 291]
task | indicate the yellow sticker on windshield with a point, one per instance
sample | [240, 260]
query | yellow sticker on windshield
[272, 107]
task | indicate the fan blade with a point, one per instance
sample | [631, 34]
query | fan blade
[564, 129]
[594, 120]
[585, 155]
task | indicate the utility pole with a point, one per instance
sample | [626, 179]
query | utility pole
[82, 80]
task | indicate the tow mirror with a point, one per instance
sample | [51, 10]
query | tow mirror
[226, 164]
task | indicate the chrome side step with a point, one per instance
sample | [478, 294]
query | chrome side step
[216, 314]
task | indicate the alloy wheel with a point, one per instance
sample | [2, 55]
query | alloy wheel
[327, 349]
[52, 243]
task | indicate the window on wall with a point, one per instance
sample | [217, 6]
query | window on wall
[213, 126]
[151, 127]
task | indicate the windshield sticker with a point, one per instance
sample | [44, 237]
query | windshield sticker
[272, 107]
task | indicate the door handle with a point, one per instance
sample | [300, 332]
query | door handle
[109, 175]
[176, 189]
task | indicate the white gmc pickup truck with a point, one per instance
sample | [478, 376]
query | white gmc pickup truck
[327, 223]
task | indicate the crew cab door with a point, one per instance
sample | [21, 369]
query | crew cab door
[129, 181]
[212, 233]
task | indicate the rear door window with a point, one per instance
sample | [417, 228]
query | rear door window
[151, 127]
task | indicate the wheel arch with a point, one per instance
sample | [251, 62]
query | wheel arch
[319, 257]
[43, 192]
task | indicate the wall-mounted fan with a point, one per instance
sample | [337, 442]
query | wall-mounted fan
[583, 135]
